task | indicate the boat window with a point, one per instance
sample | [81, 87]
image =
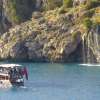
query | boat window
[3, 70]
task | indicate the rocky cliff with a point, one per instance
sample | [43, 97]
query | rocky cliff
[50, 35]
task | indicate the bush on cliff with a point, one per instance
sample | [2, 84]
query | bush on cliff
[12, 12]
[87, 23]
[67, 3]
[52, 4]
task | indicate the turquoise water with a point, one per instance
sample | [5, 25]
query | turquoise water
[57, 82]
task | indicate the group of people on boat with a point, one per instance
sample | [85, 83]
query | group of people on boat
[17, 73]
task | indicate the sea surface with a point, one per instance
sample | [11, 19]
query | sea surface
[57, 82]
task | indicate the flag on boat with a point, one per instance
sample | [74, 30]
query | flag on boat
[25, 72]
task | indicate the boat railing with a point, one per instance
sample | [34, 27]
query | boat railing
[4, 76]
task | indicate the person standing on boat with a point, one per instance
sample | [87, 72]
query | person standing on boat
[24, 72]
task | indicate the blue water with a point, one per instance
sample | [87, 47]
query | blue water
[57, 82]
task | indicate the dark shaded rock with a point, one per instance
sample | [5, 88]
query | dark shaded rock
[19, 51]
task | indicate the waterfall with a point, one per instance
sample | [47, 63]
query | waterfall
[83, 49]
[97, 38]
[86, 48]
[91, 46]
[90, 58]
[96, 43]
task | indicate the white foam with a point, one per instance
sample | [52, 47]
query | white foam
[89, 64]
[10, 65]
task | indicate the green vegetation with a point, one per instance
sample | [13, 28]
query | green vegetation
[52, 4]
[12, 12]
[74, 36]
[67, 3]
[87, 23]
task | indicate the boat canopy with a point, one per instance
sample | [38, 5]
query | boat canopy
[9, 65]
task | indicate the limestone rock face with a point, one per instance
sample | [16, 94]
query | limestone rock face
[17, 11]
[40, 40]
[45, 30]
[13, 12]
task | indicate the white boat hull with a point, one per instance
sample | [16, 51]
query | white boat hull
[5, 84]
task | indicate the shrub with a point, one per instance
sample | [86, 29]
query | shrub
[74, 35]
[52, 4]
[87, 23]
[62, 10]
[12, 12]
[67, 3]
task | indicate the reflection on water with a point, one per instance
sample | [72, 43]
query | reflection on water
[57, 82]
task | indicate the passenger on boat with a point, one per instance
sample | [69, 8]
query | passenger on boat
[24, 72]
[14, 73]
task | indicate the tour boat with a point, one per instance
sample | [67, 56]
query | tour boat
[12, 75]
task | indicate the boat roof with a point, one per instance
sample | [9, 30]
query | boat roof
[10, 65]
[3, 74]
